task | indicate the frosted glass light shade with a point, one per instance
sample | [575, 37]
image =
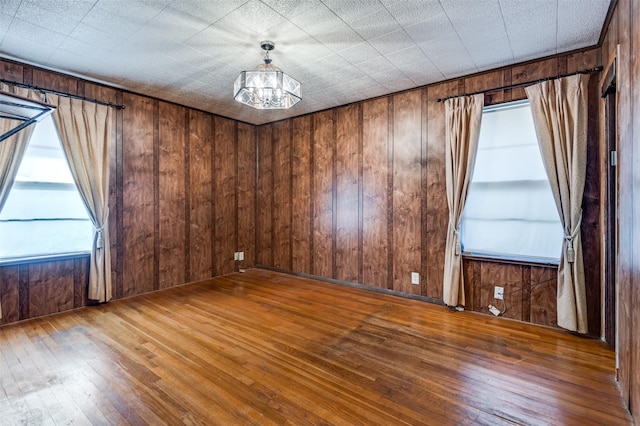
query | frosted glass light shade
[266, 87]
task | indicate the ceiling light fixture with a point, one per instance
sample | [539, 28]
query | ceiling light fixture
[266, 87]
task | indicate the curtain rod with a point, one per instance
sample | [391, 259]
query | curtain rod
[55, 92]
[515, 86]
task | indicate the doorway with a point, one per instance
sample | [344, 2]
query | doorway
[611, 205]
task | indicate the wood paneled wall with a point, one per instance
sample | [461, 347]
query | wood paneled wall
[357, 194]
[624, 30]
[182, 201]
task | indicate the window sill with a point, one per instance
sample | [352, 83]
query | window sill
[527, 261]
[44, 258]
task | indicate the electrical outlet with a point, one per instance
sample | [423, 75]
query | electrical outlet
[495, 311]
[241, 255]
[498, 293]
[415, 278]
[236, 256]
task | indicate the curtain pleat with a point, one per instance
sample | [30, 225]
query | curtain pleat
[85, 130]
[463, 117]
[559, 110]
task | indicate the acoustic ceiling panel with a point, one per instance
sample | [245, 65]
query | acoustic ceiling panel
[191, 51]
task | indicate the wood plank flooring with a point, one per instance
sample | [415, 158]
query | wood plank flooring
[269, 349]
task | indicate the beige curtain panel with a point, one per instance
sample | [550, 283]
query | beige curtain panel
[12, 150]
[463, 117]
[559, 110]
[85, 130]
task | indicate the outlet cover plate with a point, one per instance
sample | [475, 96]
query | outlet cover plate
[415, 278]
[498, 293]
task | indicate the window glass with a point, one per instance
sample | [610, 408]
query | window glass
[44, 214]
[510, 211]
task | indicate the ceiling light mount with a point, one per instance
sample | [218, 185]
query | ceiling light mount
[266, 87]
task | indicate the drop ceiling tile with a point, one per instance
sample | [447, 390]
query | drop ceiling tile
[53, 19]
[227, 46]
[372, 92]
[406, 56]
[329, 64]
[485, 51]
[108, 41]
[374, 24]
[539, 53]
[444, 50]
[355, 85]
[399, 85]
[426, 78]
[215, 78]
[411, 12]
[9, 7]
[389, 76]
[29, 50]
[347, 74]
[253, 17]
[289, 8]
[375, 65]
[453, 69]
[147, 41]
[359, 53]
[323, 25]
[353, 10]
[45, 38]
[75, 9]
[391, 42]
[579, 25]
[431, 29]
[210, 11]
[527, 36]
[76, 64]
[136, 11]
[74, 46]
[177, 25]
[467, 13]
[5, 22]
[109, 23]
[416, 70]
[293, 46]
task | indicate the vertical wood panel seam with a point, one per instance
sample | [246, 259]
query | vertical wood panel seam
[424, 185]
[360, 194]
[156, 194]
[212, 140]
[271, 194]
[119, 293]
[526, 294]
[390, 146]
[187, 196]
[256, 183]
[236, 192]
[77, 301]
[291, 149]
[27, 75]
[312, 203]
[334, 194]
[23, 292]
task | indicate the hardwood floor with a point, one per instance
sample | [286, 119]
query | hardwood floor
[267, 348]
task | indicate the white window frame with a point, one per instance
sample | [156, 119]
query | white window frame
[43, 186]
[477, 252]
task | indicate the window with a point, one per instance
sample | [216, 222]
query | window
[44, 214]
[510, 211]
